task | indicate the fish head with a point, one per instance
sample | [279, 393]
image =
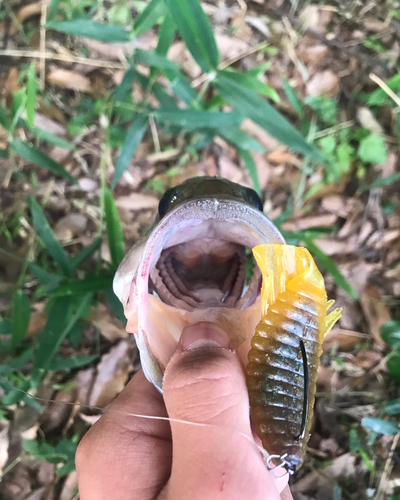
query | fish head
[192, 266]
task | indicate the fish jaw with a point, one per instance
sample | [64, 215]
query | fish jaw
[158, 326]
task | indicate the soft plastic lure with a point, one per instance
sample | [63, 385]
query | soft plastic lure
[286, 350]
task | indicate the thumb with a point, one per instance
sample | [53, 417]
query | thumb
[204, 383]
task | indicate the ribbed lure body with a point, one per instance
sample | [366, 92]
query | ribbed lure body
[294, 308]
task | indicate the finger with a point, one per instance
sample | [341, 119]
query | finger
[204, 383]
[123, 456]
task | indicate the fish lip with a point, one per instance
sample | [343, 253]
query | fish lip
[200, 210]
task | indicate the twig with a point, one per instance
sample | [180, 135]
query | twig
[31, 54]
[154, 133]
[43, 45]
[385, 88]
[387, 469]
[228, 62]
[332, 130]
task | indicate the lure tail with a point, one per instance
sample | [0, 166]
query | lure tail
[290, 334]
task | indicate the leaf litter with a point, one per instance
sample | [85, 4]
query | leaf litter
[359, 231]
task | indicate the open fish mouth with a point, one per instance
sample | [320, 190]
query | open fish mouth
[192, 266]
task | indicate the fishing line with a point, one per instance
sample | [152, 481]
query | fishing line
[266, 456]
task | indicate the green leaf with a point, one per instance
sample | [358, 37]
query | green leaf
[53, 9]
[4, 119]
[16, 394]
[133, 137]
[196, 31]
[31, 90]
[21, 317]
[114, 229]
[60, 363]
[41, 274]
[327, 263]
[380, 426]
[393, 407]
[293, 98]
[4, 154]
[379, 97]
[53, 139]
[17, 107]
[89, 284]
[181, 87]
[386, 181]
[125, 87]
[192, 119]
[5, 326]
[33, 155]
[251, 83]
[149, 16]
[261, 112]
[85, 253]
[46, 234]
[61, 318]
[91, 29]
[155, 60]
[251, 168]
[166, 35]
[372, 149]
[393, 366]
[240, 139]
[390, 333]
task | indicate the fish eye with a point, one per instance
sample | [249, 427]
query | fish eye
[166, 201]
[253, 198]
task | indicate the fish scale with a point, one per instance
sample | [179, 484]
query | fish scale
[275, 373]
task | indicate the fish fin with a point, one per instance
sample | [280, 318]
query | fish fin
[332, 318]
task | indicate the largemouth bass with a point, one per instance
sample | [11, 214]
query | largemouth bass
[191, 266]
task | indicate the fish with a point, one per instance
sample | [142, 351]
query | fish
[194, 264]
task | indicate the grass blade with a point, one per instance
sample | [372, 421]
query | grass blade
[133, 138]
[46, 234]
[114, 229]
[252, 83]
[31, 90]
[192, 119]
[60, 320]
[91, 29]
[89, 284]
[55, 140]
[125, 87]
[154, 60]
[293, 98]
[166, 35]
[241, 139]
[328, 264]
[262, 113]
[251, 168]
[85, 253]
[33, 155]
[4, 119]
[21, 316]
[154, 10]
[196, 31]
[60, 363]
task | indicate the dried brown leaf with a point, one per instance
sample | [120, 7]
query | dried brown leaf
[137, 201]
[343, 339]
[324, 83]
[69, 80]
[110, 327]
[70, 226]
[375, 311]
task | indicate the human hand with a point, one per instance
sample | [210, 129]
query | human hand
[124, 457]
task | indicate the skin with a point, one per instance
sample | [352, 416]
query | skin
[127, 458]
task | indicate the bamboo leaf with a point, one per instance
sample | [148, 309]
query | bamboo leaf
[61, 318]
[125, 87]
[331, 267]
[241, 139]
[46, 234]
[252, 83]
[196, 31]
[55, 140]
[31, 90]
[85, 253]
[251, 168]
[155, 60]
[91, 29]
[262, 113]
[33, 155]
[133, 137]
[166, 35]
[192, 119]
[89, 284]
[21, 316]
[154, 10]
[114, 230]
